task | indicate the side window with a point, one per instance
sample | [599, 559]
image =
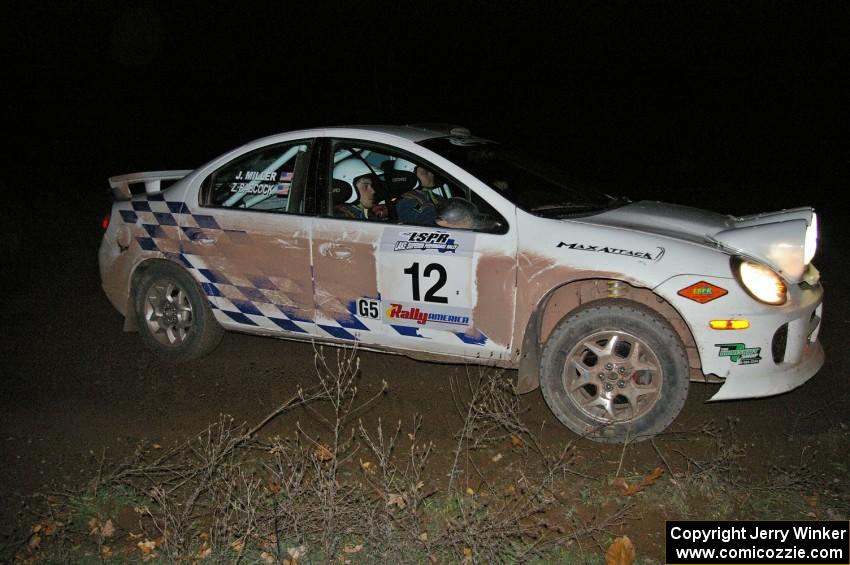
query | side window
[470, 212]
[271, 179]
[378, 183]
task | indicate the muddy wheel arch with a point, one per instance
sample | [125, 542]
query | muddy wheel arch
[562, 300]
[130, 322]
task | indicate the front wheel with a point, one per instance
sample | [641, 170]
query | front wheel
[614, 371]
[174, 318]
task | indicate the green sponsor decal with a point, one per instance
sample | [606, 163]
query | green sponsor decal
[739, 353]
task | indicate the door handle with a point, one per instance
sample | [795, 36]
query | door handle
[341, 252]
[336, 251]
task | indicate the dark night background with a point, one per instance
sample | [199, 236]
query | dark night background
[733, 106]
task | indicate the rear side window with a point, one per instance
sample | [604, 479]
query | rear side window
[271, 179]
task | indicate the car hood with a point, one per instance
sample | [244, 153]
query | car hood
[775, 238]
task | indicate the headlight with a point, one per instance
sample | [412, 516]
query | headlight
[811, 244]
[760, 281]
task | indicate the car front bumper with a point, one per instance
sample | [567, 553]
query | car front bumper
[777, 353]
[779, 380]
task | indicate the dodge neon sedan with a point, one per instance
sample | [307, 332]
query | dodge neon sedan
[433, 243]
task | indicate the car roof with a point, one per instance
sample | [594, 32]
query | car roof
[412, 132]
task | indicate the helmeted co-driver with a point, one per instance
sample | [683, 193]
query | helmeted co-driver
[354, 191]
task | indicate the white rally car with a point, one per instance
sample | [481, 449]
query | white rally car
[345, 235]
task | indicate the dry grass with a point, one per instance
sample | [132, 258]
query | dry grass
[366, 492]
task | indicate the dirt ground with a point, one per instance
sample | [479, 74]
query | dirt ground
[75, 389]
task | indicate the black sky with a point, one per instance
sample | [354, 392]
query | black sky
[671, 100]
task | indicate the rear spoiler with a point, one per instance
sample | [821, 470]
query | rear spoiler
[152, 181]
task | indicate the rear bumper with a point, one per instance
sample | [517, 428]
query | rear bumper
[115, 268]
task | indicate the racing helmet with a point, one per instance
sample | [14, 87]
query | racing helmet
[348, 171]
[458, 211]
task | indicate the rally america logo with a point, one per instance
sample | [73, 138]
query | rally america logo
[424, 241]
[654, 256]
[397, 311]
[739, 353]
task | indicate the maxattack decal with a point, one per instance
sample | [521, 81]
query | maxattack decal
[653, 256]
[739, 353]
[702, 292]
[398, 313]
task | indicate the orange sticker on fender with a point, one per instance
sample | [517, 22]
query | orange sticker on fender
[702, 292]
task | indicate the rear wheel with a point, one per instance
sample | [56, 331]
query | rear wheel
[174, 318]
[614, 371]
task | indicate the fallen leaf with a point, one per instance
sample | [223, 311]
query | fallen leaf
[297, 553]
[516, 441]
[629, 490]
[352, 548]
[396, 500]
[467, 552]
[273, 487]
[620, 552]
[412, 437]
[367, 466]
[267, 558]
[34, 542]
[511, 490]
[813, 500]
[423, 536]
[156, 446]
[101, 529]
[496, 458]
[106, 552]
[146, 547]
[322, 453]
[203, 536]
[469, 491]
[37, 528]
[204, 551]
[237, 546]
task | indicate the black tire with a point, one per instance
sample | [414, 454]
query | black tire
[614, 371]
[173, 316]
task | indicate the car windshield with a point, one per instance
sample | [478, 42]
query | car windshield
[536, 187]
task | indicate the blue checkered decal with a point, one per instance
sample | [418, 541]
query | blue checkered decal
[166, 225]
[247, 303]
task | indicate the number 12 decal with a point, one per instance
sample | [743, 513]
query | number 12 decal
[431, 295]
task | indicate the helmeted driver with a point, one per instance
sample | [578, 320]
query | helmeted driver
[418, 206]
[354, 191]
